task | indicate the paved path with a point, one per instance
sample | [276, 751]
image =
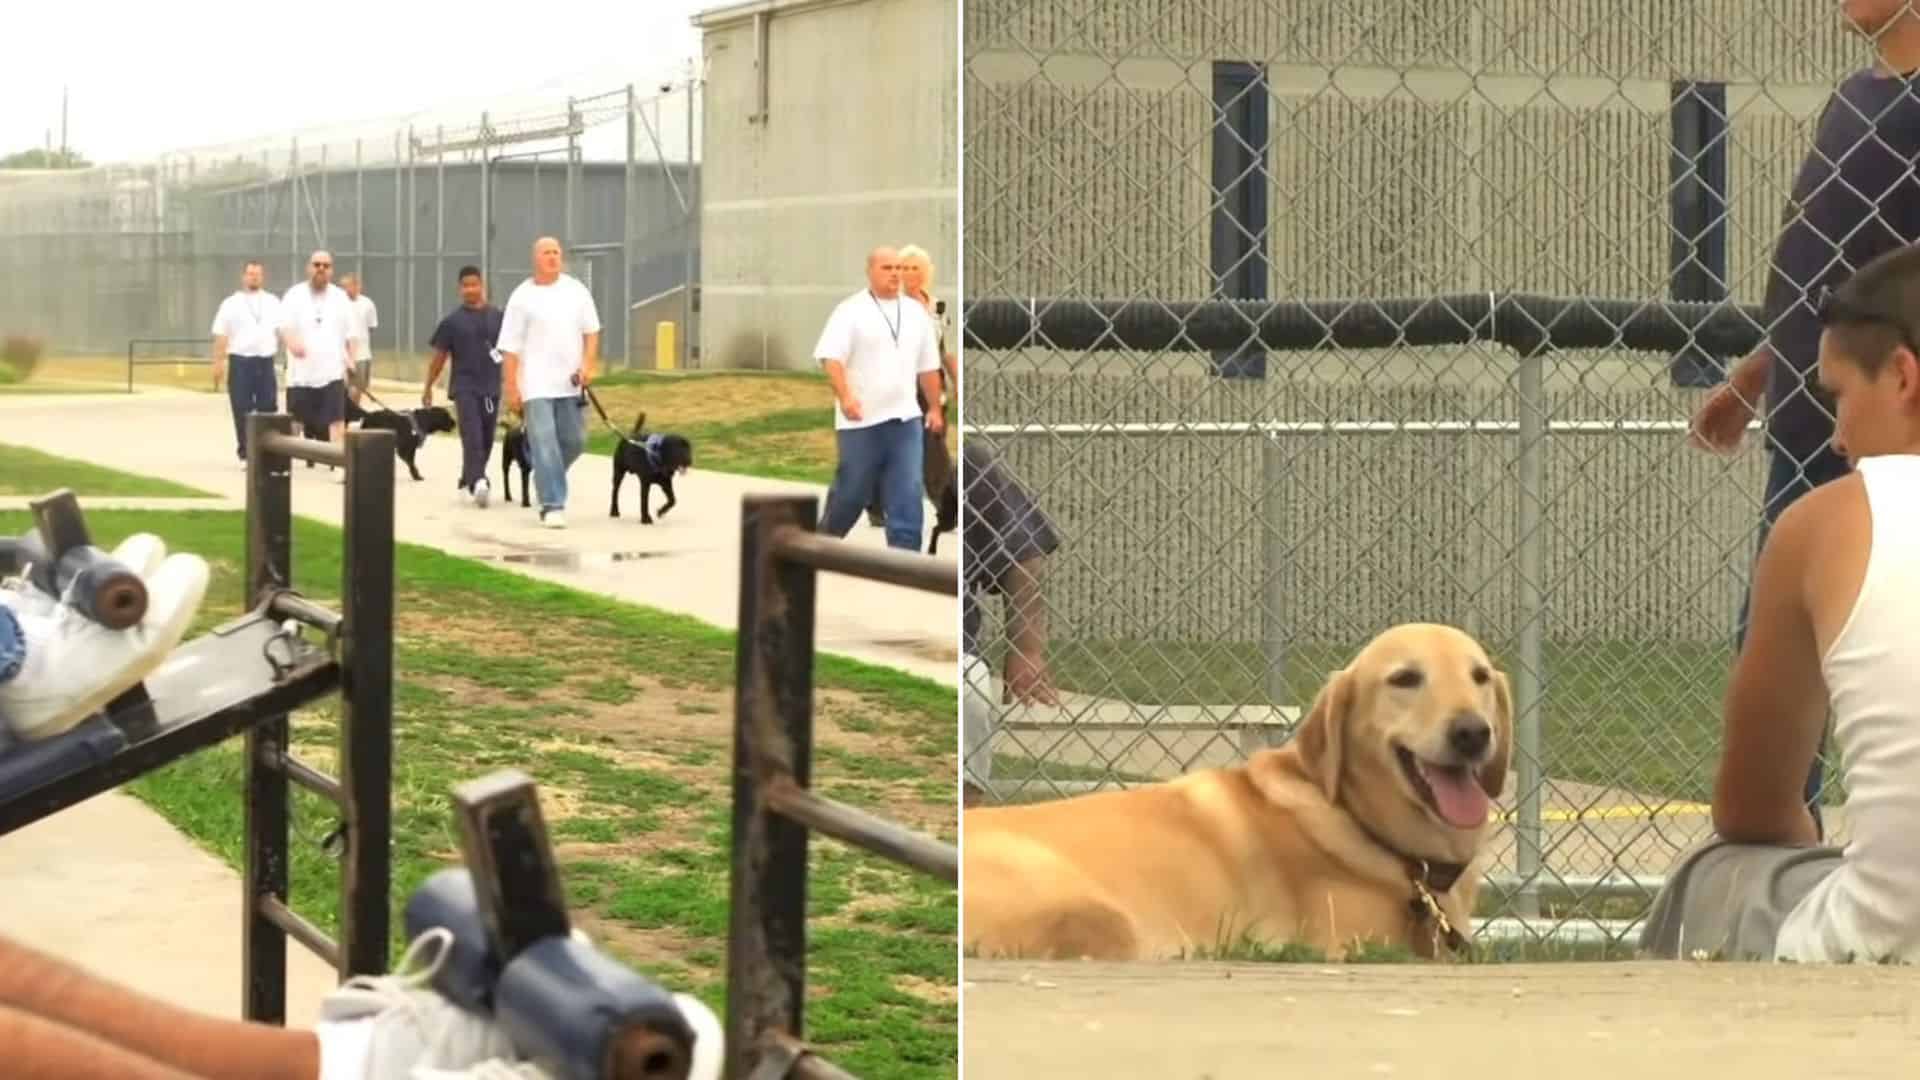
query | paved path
[112, 887]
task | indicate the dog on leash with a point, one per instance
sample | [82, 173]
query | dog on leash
[513, 451]
[410, 428]
[946, 511]
[655, 459]
[1370, 825]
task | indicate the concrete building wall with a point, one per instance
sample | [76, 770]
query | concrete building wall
[1419, 148]
[855, 148]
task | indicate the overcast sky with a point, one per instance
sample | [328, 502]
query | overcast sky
[144, 78]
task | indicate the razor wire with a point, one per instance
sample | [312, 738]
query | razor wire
[92, 259]
[1290, 322]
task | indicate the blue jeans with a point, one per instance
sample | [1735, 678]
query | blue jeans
[556, 437]
[250, 389]
[1787, 480]
[887, 457]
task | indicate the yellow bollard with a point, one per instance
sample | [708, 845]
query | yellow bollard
[664, 354]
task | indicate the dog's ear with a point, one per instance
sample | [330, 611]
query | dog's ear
[1493, 775]
[1322, 735]
[639, 423]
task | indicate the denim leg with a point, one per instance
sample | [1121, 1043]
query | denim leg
[543, 446]
[900, 477]
[570, 426]
[13, 645]
[266, 390]
[240, 399]
[854, 478]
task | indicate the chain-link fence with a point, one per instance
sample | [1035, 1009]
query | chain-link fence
[1301, 320]
[107, 265]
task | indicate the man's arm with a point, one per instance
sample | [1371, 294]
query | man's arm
[510, 342]
[434, 368]
[832, 350]
[589, 357]
[1776, 702]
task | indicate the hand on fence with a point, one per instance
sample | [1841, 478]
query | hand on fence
[1028, 681]
[1720, 424]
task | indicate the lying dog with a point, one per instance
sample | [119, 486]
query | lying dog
[1378, 805]
[654, 459]
[513, 451]
[410, 428]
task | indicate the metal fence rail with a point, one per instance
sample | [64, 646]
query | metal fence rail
[781, 558]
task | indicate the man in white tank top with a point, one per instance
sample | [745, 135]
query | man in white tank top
[1835, 626]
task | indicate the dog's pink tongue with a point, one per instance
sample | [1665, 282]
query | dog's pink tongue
[1458, 797]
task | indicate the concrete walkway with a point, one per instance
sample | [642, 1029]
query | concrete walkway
[112, 887]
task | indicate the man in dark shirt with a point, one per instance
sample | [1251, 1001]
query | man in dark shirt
[1855, 197]
[469, 334]
[1003, 541]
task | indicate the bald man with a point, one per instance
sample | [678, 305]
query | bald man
[877, 345]
[550, 347]
[316, 318]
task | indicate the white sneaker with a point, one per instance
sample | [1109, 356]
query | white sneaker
[74, 665]
[414, 1026]
[553, 519]
[482, 493]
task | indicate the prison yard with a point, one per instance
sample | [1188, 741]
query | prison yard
[775, 424]
[623, 714]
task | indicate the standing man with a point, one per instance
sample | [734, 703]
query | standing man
[1004, 543]
[246, 338]
[550, 339]
[365, 318]
[1855, 198]
[877, 345]
[470, 334]
[317, 319]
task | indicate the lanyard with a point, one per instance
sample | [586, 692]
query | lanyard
[893, 325]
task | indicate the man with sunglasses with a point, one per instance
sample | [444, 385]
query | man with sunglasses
[1835, 630]
[317, 319]
[1855, 197]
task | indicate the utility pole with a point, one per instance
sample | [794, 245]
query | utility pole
[63, 126]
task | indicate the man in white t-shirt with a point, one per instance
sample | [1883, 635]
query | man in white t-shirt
[550, 345]
[317, 319]
[877, 345]
[246, 338]
[366, 318]
[1834, 630]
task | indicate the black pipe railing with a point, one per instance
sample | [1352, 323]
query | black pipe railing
[1525, 322]
[781, 557]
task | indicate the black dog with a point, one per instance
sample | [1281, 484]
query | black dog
[654, 459]
[410, 428]
[946, 513]
[513, 451]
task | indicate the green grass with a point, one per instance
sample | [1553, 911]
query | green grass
[636, 791]
[746, 446]
[24, 471]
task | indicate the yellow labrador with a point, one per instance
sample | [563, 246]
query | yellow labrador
[1379, 802]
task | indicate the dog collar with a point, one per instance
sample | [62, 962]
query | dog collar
[1428, 878]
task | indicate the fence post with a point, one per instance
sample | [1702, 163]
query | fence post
[1273, 625]
[366, 715]
[263, 945]
[772, 736]
[1527, 696]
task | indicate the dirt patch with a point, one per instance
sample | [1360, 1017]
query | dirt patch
[644, 949]
[713, 400]
[1598, 1021]
[930, 992]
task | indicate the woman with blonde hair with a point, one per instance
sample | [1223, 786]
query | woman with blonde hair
[916, 282]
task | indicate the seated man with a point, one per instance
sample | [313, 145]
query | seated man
[58, 1021]
[1003, 542]
[1835, 626]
